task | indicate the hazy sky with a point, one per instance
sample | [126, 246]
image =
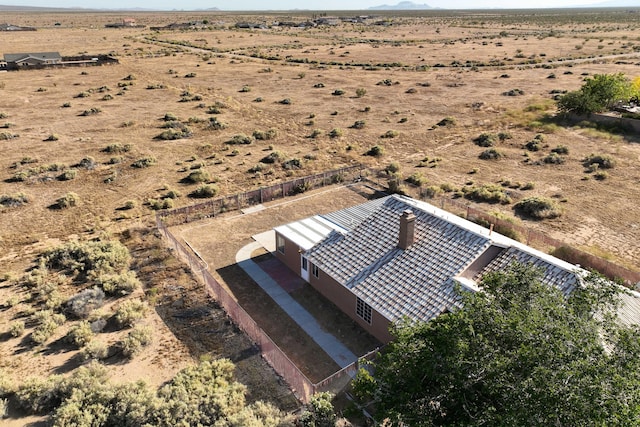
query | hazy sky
[291, 4]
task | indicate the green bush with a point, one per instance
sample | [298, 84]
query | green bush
[144, 162]
[389, 134]
[561, 149]
[603, 161]
[172, 134]
[316, 133]
[68, 175]
[335, 133]
[117, 148]
[91, 112]
[489, 193]
[239, 139]
[13, 200]
[338, 92]
[485, 140]
[136, 340]
[130, 312]
[393, 168]
[215, 124]
[48, 321]
[416, 179]
[447, 122]
[91, 259]
[319, 412]
[119, 284]
[491, 154]
[375, 151]
[265, 135]
[537, 208]
[273, 157]
[360, 92]
[553, 159]
[198, 176]
[80, 334]
[204, 191]
[94, 350]
[67, 201]
[16, 329]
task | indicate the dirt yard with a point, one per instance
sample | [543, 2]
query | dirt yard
[290, 102]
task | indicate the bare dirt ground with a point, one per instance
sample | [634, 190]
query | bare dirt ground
[413, 71]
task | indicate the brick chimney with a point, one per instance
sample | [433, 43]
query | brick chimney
[407, 229]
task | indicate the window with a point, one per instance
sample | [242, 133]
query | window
[314, 270]
[280, 243]
[305, 263]
[363, 310]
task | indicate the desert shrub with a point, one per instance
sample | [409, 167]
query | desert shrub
[83, 94]
[273, 157]
[130, 312]
[513, 92]
[393, 168]
[375, 151]
[390, 134]
[533, 145]
[600, 175]
[198, 176]
[503, 136]
[48, 321]
[358, 124]
[491, 154]
[190, 75]
[204, 191]
[411, 90]
[318, 85]
[360, 92]
[94, 350]
[447, 122]
[119, 284]
[537, 208]
[16, 328]
[136, 340]
[416, 179]
[335, 133]
[488, 194]
[265, 135]
[159, 204]
[91, 112]
[67, 201]
[92, 258]
[553, 159]
[68, 175]
[117, 148]
[292, 164]
[239, 139]
[485, 140]
[144, 162]
[5, 136]
[319, 412]
[82, 304]
[603, 161]
[338, 92]
[172, 134]
[385, 82]
[285, 101]
[316, 133]
[245, 89]
[80, 334]
[13, 200]
[38, 396]
[52, 137]
[170, 117]
[561, 149]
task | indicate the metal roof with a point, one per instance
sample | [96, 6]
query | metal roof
[16, 57]
[309, 231]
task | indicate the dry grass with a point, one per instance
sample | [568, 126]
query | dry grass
[598, 214]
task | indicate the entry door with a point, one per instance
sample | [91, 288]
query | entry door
[304, 267]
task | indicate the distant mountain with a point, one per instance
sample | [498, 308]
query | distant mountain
[616, 3]
[403, 5]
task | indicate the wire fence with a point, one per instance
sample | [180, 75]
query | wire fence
[215, 207]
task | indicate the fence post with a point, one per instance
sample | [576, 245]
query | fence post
[261, 195]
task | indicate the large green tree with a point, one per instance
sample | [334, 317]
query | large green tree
[598, 93]
[517, 353]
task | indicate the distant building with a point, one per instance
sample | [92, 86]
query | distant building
[17, 60]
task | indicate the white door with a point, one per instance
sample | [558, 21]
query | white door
[304, 267]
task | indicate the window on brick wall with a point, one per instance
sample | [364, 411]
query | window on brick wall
[363, 310]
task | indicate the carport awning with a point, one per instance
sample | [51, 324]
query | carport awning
[307, 232]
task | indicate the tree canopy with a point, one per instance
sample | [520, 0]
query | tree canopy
[597, 94]
[518, 353]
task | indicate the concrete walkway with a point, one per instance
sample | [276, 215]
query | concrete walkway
[330, 344]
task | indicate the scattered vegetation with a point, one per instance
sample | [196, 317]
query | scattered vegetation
[537, 208]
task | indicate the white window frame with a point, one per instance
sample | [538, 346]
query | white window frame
[315, 270]
[363, 310]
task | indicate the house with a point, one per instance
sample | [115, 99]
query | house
[396, 256]
[17, 60]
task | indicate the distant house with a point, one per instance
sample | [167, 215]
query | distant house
[394, 257]
[17, 60]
